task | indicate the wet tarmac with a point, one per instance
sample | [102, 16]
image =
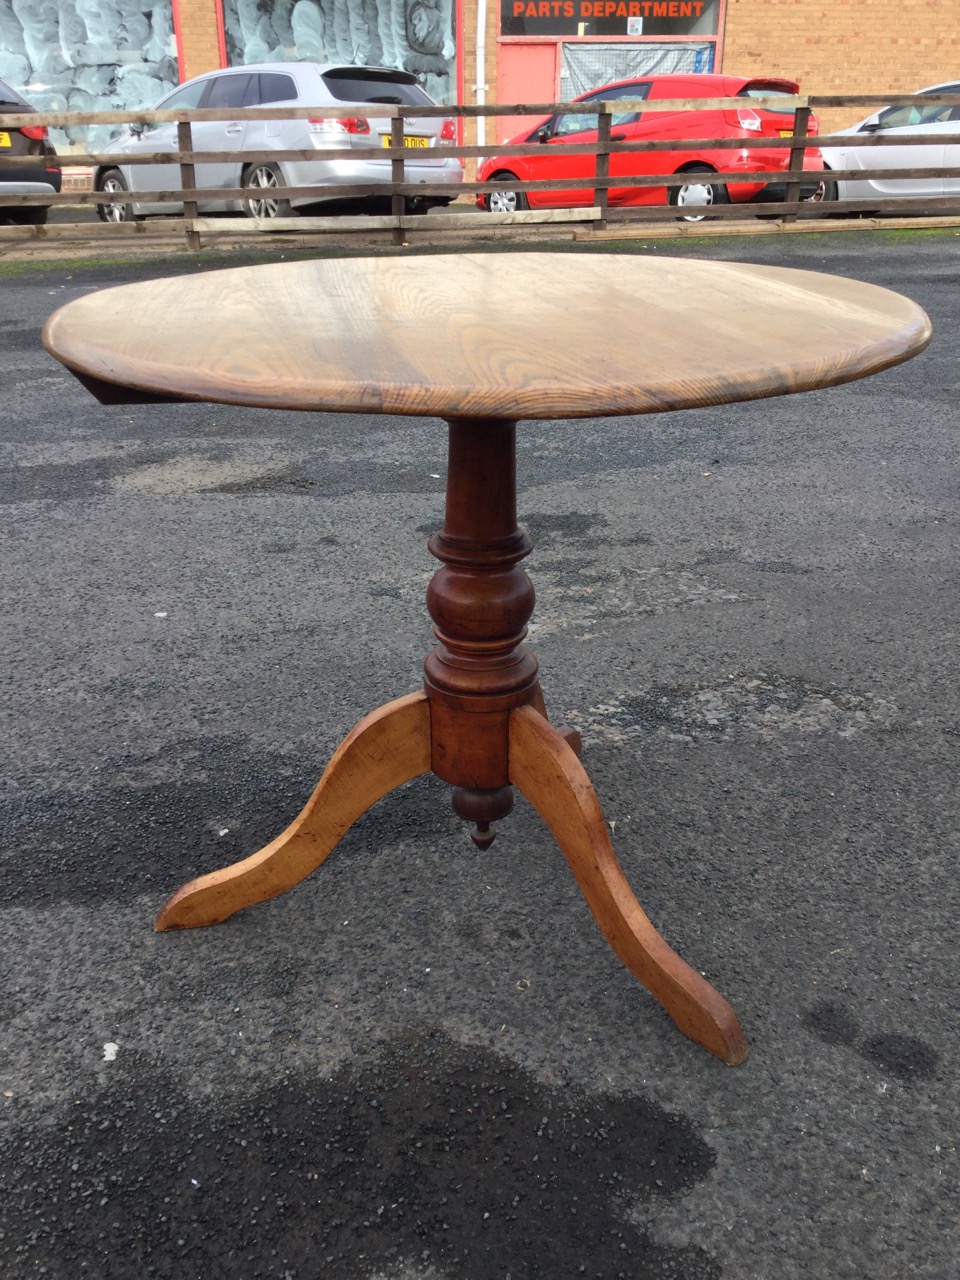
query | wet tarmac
[424, 1063]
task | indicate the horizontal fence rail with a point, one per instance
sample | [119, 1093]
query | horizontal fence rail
[405, 197]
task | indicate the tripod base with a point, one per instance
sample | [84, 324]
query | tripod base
[393, 745]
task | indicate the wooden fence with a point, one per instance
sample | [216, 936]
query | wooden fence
[598, 219]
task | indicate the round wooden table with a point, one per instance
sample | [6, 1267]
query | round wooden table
[481, 340]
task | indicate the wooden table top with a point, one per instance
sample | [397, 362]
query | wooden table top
[511, 335]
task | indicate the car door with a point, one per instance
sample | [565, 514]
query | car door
[552, 163]
[951, 154]
[160, 138]
[895, 123]
[631, 126]
[229, 89]
[581, 129]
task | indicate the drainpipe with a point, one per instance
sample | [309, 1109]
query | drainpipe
[480, 88]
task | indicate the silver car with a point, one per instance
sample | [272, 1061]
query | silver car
[902, 121]
[272, 84]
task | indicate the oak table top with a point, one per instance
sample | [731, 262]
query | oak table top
[481, 340]
[508, 335]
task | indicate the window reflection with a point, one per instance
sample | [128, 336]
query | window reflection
[414, 35]
[86, 55]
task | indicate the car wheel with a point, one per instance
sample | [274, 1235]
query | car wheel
[698, 195]
[423, 204]
[826, 193]
[28, 215]
[824, 190]
[113, 180]
[267, 177]
[509, 200]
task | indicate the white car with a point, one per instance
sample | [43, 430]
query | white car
[895, 122]
[302, 84]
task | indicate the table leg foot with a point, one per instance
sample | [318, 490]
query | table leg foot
[548, 773]
[387, 748]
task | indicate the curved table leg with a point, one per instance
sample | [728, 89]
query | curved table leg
[570, 736]
[388, 747]
[551, 777]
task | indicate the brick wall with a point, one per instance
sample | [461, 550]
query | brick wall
[199, 37]
[472, 74]
[845, 46]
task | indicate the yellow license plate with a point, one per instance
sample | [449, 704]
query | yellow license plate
[411, 140]
[4, 139]
[785, 133]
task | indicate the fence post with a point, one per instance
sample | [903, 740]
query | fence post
[603, 164]
[188, 181]
[801, 119]
[398, 203]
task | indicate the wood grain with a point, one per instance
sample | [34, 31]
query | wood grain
[387, 748]
[546, 771]
[538, 335]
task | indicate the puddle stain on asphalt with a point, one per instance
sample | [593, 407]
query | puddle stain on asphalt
[905, 1057]
[762, 705]
[436, 1158]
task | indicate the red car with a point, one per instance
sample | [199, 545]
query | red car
[705, 165]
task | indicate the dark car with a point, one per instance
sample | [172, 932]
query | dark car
[24, 179]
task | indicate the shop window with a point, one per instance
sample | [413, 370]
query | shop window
[81, 55]
[585, 66]
[412, 35]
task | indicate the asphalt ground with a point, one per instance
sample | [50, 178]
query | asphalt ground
[424, 1063]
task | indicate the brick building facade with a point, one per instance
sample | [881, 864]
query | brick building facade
[68, 56]
[829, 46]
[200, 43]
[845, 46]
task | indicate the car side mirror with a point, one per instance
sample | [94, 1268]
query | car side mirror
[136, 129]
[543, 135]
[871, 126]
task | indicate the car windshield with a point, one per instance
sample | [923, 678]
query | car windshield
[362, 84]
[8, 98]
[188, 95]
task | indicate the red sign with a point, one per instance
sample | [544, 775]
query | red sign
[608, 8]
